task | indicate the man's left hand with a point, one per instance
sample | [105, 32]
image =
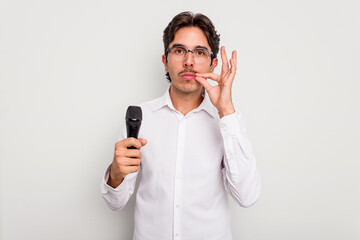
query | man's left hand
[220, 95]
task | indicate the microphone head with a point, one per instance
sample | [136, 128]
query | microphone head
[134, 113]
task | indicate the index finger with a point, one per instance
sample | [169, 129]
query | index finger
[128, 142]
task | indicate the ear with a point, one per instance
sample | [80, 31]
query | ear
[214, 64]
[165, 62]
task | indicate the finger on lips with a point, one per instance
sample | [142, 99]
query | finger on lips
[203, 82]
[211, 76]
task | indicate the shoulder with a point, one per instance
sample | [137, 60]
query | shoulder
[151, 105]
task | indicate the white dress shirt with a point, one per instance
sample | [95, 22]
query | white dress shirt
[188, 166]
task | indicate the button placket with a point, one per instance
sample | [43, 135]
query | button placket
[177, 177]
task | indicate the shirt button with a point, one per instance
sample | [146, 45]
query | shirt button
[222, 125]
[176, 235]
[177, 205]
[177, 177]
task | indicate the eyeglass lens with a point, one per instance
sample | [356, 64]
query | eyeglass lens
[179, 54]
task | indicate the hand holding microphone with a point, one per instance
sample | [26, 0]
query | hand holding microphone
[127, 155]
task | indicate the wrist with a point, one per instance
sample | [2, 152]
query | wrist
[113, 181]
[227, 111]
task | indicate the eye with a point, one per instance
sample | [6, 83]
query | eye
[179, 50]
[200, 52]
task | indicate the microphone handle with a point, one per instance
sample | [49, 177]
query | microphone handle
[133, 128]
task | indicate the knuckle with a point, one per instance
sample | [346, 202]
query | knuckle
[120, 144]
[134, 169]
[138, 143]
[132, 141]
[119, 162]
[117, 153]
[122, 170]
[137, 161]
[120, 153]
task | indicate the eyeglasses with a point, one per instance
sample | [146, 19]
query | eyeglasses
[179, 53]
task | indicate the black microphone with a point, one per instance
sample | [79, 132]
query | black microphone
[133, 121]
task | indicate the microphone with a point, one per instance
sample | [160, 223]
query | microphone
[133, 121]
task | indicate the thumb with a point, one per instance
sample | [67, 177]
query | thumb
[143, 141]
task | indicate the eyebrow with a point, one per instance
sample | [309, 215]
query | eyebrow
[181, 45]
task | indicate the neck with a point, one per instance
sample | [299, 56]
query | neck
[185, 102]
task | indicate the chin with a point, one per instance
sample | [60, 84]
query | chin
[189, 86]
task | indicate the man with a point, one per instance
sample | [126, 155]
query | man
[196, 149]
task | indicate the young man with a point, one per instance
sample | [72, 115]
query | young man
[196, 148]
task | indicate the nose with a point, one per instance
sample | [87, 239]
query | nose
[189, 60]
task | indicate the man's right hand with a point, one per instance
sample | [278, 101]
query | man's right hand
[125, 160]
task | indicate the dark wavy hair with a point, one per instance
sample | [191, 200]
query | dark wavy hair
[189, 19]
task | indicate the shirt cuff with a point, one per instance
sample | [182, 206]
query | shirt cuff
[229, 124]
[107, 188]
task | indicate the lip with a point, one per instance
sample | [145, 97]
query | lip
[188, 76]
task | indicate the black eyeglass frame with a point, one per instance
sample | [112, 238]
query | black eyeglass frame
[187, 50]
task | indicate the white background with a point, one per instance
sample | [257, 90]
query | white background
[69, 69]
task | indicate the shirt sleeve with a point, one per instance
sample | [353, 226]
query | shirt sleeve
[116, 198]
[241, 176]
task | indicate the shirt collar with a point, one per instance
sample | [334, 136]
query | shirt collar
[205, 105]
